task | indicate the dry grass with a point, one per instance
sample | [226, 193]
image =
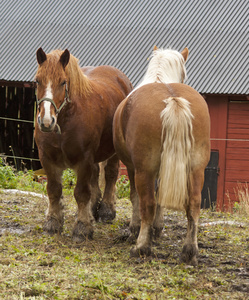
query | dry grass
[242, 193]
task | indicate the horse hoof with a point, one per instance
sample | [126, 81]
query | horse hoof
[52, 226]
[137, 252]
[106, 214]
[82, 232]
[189, 261]
[189, 255]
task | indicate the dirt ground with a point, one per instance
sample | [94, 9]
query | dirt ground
[222, 273]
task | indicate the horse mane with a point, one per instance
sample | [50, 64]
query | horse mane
[78, 83]
[165, 66]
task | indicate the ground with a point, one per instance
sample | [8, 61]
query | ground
[34, 265]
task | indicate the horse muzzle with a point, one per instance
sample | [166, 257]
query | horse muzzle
[47, 126]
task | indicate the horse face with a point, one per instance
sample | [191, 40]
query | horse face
[51, 88]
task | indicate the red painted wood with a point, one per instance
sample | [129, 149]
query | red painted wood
[237, 152]
[218, 106]
[122, 169]
[237, 175]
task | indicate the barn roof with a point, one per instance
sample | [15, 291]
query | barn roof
[123, 33]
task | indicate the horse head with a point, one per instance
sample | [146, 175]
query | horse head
[52, 92]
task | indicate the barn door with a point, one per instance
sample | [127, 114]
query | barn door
[209, 191]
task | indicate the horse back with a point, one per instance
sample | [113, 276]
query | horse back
[108, 76]
[141, 124]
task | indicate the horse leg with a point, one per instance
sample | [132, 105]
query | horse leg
[135, 219]
[95, 192]
[83, 228]
[158, 222]
[190, 249]
[54, 216]
[107, 210]
[147, 204]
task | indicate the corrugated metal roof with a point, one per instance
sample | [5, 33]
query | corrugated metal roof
[123, 33]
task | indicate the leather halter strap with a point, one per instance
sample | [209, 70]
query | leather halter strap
[57, 110]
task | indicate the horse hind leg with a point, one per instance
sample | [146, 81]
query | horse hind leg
[135, 222]
[54, 215]
[190, 248]
[147, 203]
[107, 209]
[158, 222]
[95, 192]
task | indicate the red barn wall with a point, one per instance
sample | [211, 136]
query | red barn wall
[230, 136]
[237, 150]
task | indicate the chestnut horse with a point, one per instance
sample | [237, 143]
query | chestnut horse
[161, 132]
[74, 130]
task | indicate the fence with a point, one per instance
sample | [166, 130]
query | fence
[17, 111]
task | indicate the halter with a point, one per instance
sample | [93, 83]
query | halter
[57, 110]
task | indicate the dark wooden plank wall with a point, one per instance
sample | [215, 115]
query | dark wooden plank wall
[16, 137]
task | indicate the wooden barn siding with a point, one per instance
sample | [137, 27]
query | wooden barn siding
[230, 120]
[237, 152]
[218, 107]
[16, 137]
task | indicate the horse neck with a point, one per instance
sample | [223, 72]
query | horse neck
[166, 74]
[164, 70]
[79, 83]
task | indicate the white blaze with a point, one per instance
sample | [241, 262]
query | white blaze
[47, 119]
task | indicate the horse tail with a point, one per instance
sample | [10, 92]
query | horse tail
[177, 142]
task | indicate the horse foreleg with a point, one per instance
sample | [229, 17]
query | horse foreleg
[54, 216]
[83, 228]
[190, 249]
[107, 210]
[147, 204]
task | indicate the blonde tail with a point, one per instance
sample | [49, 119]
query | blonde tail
[177, 142]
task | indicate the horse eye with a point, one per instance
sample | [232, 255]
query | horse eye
[63, 83]
[37, 82]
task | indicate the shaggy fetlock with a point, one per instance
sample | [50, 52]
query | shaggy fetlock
[53, 225]
[82, 231]
[189, 255]
[106, 213]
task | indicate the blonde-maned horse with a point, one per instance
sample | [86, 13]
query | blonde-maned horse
[161, 132]
[74, 130]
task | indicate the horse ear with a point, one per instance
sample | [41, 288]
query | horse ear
[185, 53]
[155, 48]
[40, 56]
[64, 59]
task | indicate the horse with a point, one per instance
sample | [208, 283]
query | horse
[161, 133]
[73, 129]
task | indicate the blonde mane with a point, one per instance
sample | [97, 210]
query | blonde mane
[78, 82]
[165, 66]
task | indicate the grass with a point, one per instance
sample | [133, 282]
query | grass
[34, 265]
